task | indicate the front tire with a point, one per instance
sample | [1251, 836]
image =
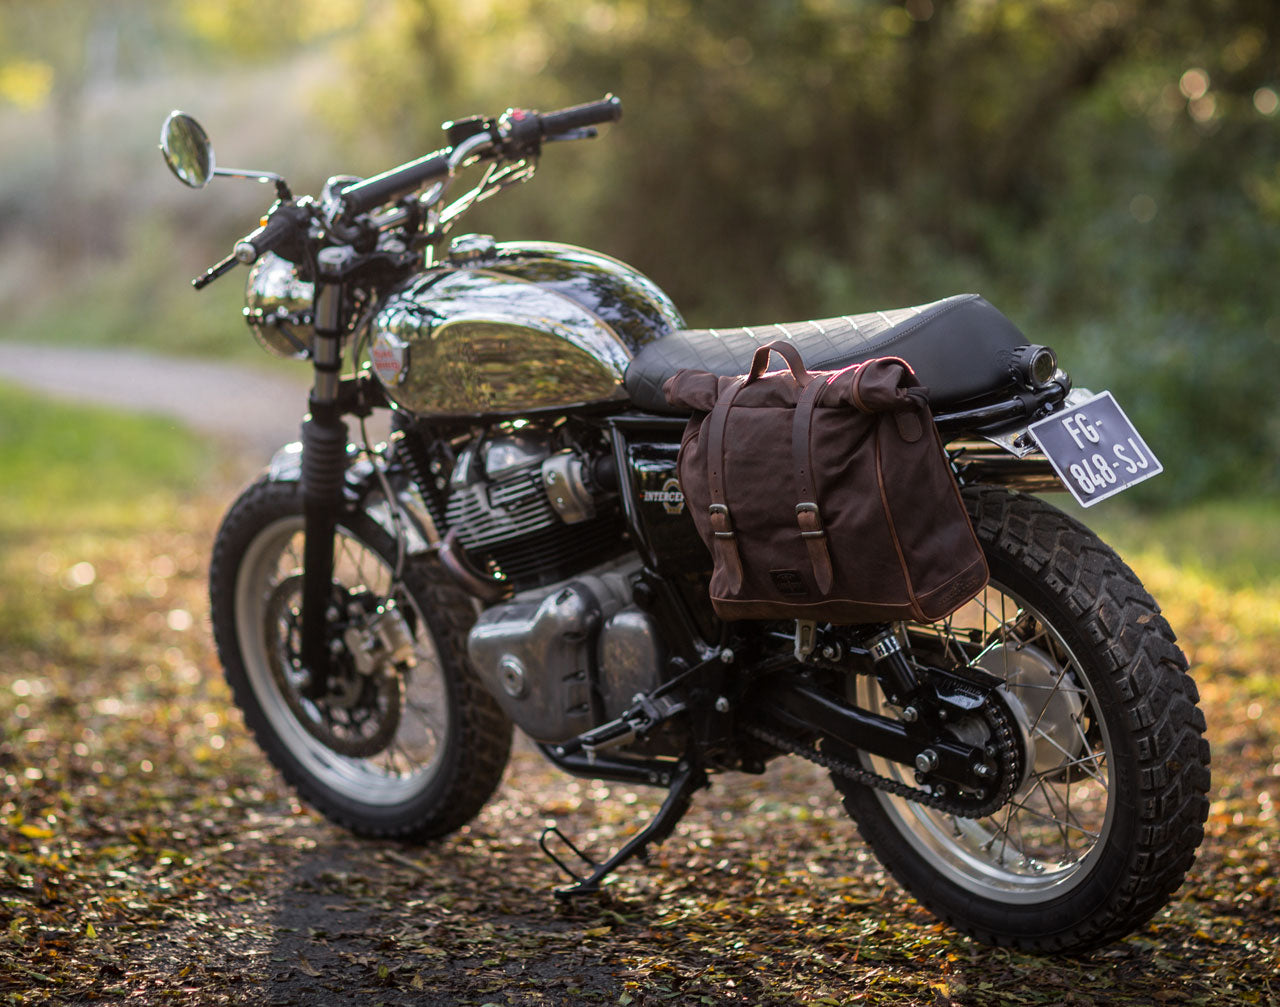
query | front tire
[411, 756]
[1108, 816]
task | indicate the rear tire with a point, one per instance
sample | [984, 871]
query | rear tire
[1107, 821]
[450, 742]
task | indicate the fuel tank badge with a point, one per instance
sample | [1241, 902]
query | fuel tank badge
[390, 358]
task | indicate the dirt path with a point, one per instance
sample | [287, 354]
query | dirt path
[254, 410]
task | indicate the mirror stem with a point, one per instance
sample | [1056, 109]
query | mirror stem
[282, 187]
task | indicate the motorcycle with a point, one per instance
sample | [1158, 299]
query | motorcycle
[518, 551]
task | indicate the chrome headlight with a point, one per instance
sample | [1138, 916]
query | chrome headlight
[278, 307]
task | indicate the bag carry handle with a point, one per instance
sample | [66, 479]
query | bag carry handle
[788, 352]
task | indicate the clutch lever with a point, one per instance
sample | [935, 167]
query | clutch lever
[214, 271]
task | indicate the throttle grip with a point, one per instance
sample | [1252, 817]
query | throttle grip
[607, 109]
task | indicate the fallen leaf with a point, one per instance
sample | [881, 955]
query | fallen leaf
[306, 967]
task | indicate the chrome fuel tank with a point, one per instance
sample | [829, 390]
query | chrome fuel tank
[514, 328]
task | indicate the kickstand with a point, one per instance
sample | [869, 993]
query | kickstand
[688, 779]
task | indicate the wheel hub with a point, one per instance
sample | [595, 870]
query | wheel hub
[1048, 714]
[359, 712]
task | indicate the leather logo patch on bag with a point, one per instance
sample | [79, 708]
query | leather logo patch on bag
[788, 582]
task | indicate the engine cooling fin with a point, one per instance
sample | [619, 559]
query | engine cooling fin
[509, 523]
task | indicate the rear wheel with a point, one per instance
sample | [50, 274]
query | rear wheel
[404, 743]
[1110, 809]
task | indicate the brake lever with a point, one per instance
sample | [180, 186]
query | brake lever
[216, 270]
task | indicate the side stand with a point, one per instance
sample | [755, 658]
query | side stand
[688, 779]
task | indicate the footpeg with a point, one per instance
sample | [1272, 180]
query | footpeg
[642, 716]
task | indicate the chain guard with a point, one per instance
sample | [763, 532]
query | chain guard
[360, 714]
[1006, 754]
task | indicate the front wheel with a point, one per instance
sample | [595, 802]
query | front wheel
[1111, 804]
[403, 743]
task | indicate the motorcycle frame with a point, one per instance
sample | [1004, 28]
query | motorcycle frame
[702, 663]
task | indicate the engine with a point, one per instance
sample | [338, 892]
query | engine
[529, 513]
[563, 660]
[568, 649]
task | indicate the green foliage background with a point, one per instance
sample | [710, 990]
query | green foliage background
[1105, 172]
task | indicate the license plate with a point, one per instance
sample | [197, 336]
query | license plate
[1095, 450]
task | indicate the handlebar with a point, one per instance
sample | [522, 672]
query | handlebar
[364, 196]
[516, 133]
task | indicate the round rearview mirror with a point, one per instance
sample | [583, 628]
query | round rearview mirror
[187, 150]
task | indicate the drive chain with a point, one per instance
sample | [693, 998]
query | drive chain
[1007, 758]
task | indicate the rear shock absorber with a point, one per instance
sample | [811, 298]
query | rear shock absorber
[896, 676]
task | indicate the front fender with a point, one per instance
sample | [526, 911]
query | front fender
[363, 484]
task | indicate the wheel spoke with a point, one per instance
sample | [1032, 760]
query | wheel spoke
[1059, 823]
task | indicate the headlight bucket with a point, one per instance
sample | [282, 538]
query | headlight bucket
[278, 308]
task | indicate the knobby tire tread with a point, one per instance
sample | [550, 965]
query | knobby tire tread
[1142, 660]
[481, 739]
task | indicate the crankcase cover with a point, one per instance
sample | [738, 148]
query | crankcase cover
[539, 655]
[470, 341]
[534, 659]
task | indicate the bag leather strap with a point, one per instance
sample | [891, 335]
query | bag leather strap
[724, 542]
[808, 515]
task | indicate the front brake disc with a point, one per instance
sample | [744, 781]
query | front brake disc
[360, 713]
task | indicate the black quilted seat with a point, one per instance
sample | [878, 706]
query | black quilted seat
[957, 346]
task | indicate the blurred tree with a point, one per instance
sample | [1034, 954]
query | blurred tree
[39, 65]
[1103, 169]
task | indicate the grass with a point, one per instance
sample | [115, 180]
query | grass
[75, 485]
[65, 466]
[148, 855]
[1233, 543]
[1215, 568]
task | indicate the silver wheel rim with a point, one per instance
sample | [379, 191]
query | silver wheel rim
[1045, 840]
[413, 758]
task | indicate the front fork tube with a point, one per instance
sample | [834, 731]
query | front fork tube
[324, 460]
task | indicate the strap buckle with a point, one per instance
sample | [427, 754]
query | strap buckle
[809, 518]
[721, 523]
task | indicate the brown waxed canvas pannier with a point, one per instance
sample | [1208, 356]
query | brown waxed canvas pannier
[824, 495]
